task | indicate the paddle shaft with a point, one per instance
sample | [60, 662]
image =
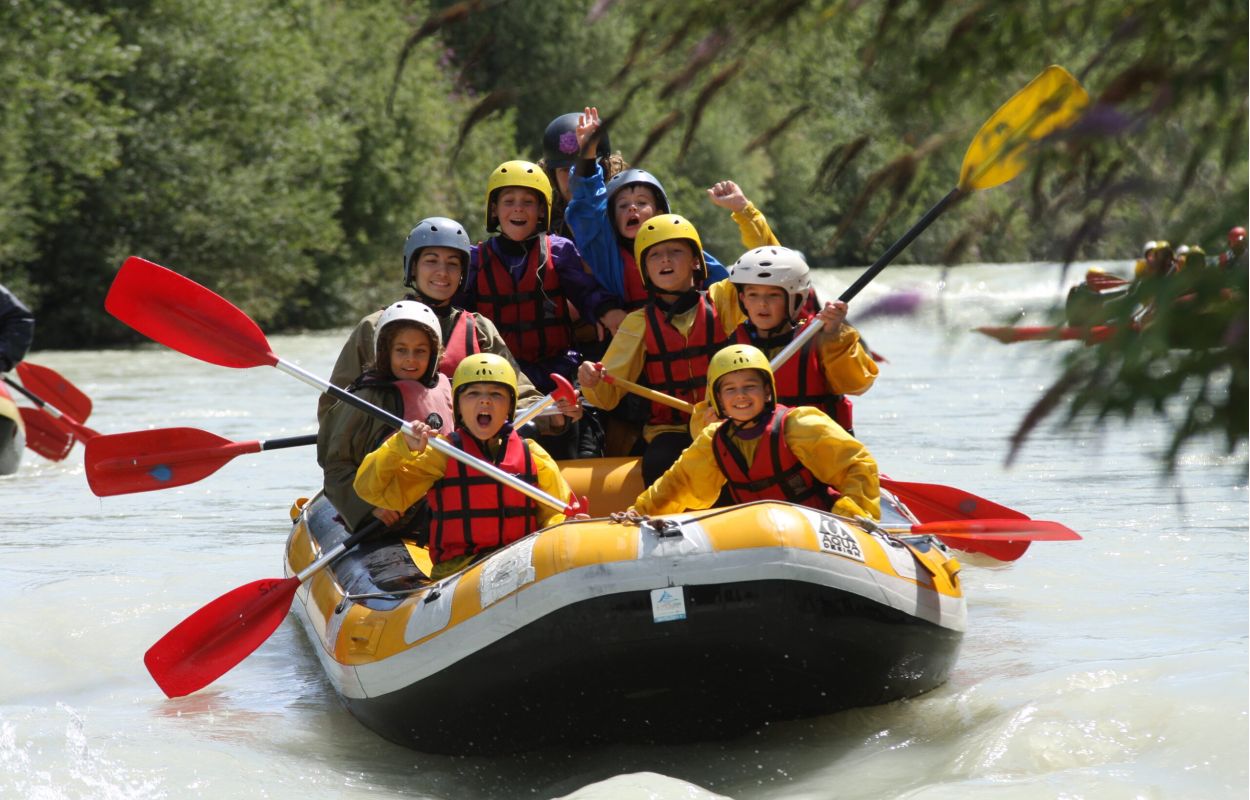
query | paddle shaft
[441, 445]
[338, 550]
[881, 263]
[650, 394]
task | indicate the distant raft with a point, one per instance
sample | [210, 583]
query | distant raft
[687, 627]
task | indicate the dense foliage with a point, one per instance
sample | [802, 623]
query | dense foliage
[280, 152]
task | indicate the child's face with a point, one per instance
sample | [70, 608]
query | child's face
[741, 395]
[518, 210]
[411, 351]
[438, 271]
[562, 183]
[484, 408]
[631, 207]
[765, 306]
[670, 265]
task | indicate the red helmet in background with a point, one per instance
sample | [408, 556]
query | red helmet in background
[1236, 236]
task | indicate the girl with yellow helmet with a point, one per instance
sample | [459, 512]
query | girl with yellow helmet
[763, 450]
[471, 514]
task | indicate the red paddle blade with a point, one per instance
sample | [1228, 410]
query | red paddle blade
[932, 502]
[145, 461]
[1001, 530]
[207, 644]
[44, 436]
[1033, 333]
[54, 389]
[185, 316]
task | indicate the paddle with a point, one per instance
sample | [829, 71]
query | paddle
[144, 461]
[58, 390]
[1050, 102]
[991, 530]
[563, 391]
[1038, 333]
[210, 642]
[187, 317]
[44, 436]
[650, 394]
[935, 503]
[62, 421]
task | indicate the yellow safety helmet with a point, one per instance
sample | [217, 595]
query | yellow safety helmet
[665, 228]
[483, 368]
[524, 174]
[731, 359]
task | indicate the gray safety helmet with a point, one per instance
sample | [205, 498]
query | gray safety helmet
[637, 176]
[435, 232]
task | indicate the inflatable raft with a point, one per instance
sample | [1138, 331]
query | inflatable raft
[693, 626]
[12, 433]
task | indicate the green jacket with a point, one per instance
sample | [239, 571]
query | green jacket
[346, 436]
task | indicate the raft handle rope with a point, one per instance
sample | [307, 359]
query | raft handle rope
[663, 528]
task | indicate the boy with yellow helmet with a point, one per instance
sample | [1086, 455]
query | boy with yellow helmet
[669, 341]
[472, 514]
[525, 280]
[763, 450]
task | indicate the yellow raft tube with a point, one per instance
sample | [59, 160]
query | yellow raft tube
[691, 626]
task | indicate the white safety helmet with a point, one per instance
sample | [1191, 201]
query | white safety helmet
[775, 266]
[421, 315]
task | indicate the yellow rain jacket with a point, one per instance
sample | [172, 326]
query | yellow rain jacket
[393, 476]
[754, 228]
[627, 352]
[832, 455]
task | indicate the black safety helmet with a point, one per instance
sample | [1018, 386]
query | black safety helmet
[560, 142]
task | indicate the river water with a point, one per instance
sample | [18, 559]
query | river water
[1114, 667]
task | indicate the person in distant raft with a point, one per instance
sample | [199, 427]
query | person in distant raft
[402, 378]
[17, 329]
[1235, 255]
[472, 513]
[763, 450]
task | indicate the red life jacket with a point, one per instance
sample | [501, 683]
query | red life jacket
[774, 474]
[531, 314]
[420, 402]
[636, 295]
[459, 342]
[801, 381]
[677, 364]
[474, 512]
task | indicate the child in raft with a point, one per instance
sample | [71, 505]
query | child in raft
[669, 340]
[606, 215]
[401, 378]
[764, 450]
[472, 514]
[774, 284]
[525, 280]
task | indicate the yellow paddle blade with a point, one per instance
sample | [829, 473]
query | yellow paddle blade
[1052, 101]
